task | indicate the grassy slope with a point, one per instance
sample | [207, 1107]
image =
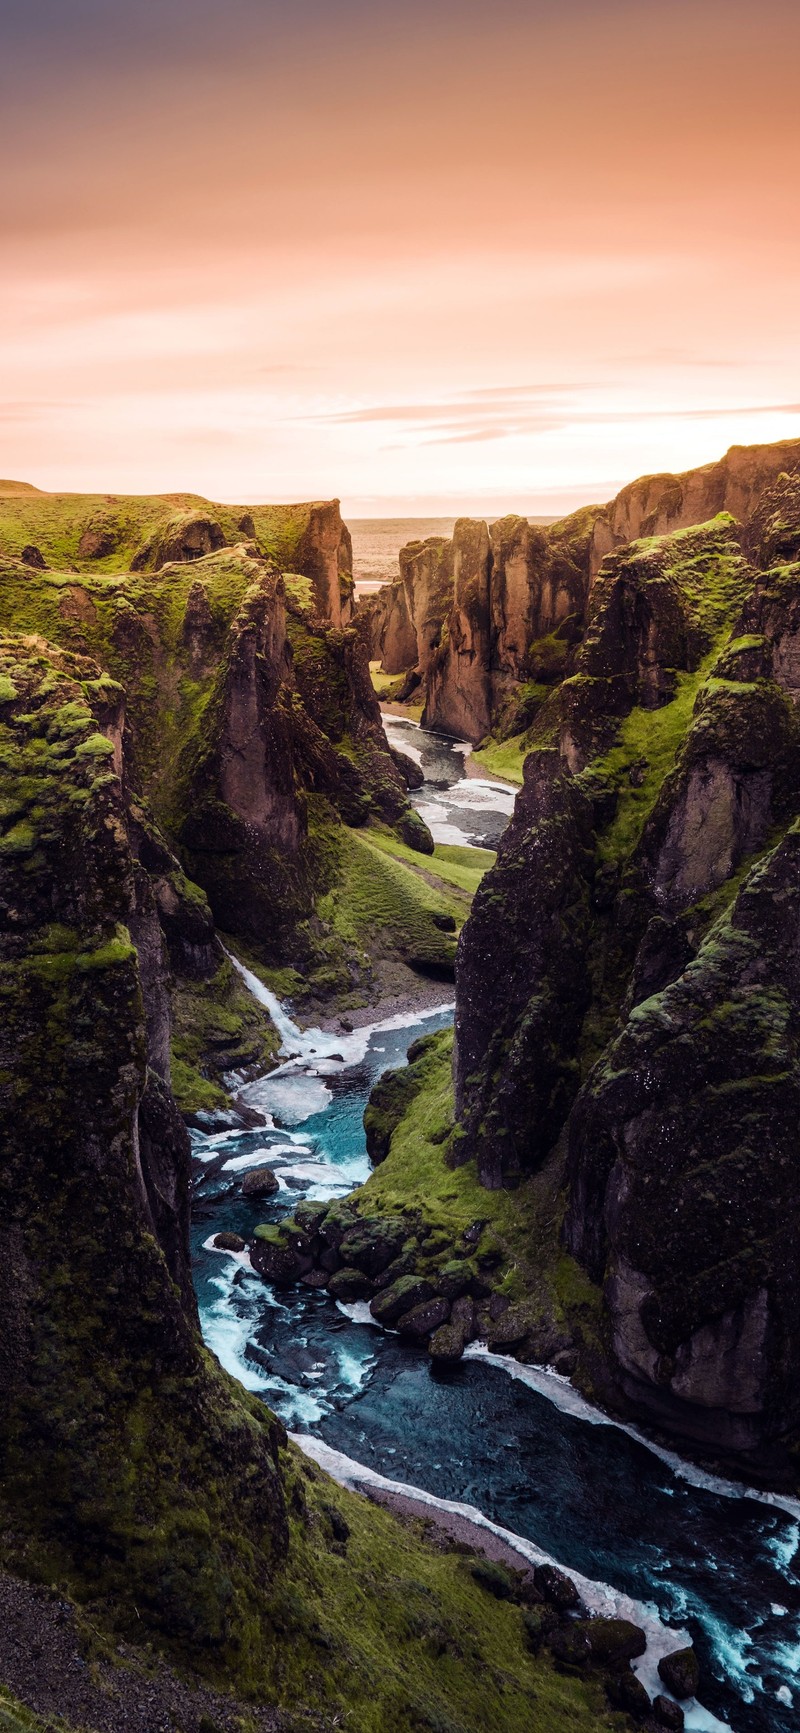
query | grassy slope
[522, 1226]
[504, 758]
[411, 1641]
[55, 523]
[451, 864]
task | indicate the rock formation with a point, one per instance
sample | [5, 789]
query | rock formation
[484, 644]
[646, 1006]
[124, 533]
[101, 1359]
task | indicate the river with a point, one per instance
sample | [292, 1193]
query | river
[654, 1537]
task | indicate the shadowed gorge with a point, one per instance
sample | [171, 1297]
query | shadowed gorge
[209, 829]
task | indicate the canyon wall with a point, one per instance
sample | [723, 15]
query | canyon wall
[628, 984]
[484, 645]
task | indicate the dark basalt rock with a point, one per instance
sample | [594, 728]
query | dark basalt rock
[558, 1589]
[409, 1291]
[666, 1713]
[424, 1318]
[99, 1343]
[260, 1182]
[570, 1648]
[33, 556]
[684, 1188]
[613, 1642]
[229, 1243]
[680, 1672]
[281, 1254]
[349, 1284]
[372, 1245]
[624, 1691]
[522, 979]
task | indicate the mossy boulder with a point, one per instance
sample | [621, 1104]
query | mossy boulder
[680, 1672]
[409, 1291]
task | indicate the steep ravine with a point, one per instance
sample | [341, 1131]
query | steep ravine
[523, 1450]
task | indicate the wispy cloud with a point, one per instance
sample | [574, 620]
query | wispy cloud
[509, 412]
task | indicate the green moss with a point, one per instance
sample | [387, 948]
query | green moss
[405, 1630]
[521, 1228]
[461, 867]
[505, 759]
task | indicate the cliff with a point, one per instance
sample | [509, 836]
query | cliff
[113, 534]
[645, 891]
[486, 623]
[253, 737]
[608, 1180]
[163, 1545]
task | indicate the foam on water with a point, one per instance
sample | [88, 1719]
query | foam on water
[599, 1598]
[263, 1157]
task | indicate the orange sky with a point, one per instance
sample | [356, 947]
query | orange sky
[419, 257]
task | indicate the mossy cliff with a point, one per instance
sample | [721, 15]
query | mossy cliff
[628, 998]
[111, 533]
[250, 731]
[134, 1476]
[485, 624]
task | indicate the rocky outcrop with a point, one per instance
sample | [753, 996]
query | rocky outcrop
[182, 538]
[658, 504]
[101, 1359]
[237, 709]
[484, 655]
[141, 533]
[407, 616]
[517, 1023]
[627, 984]
[684, 1187]
[324, 553]
[458, 693]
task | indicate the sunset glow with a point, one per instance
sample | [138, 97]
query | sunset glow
[423, 257]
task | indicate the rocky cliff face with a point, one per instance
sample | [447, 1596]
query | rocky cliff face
[134, 1475]
[112, 1419]
[627, 985]
[658, 504]
[237, 709]
[143, 533]
[485, 658]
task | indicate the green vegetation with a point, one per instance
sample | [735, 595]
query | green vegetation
[504, 758]
[419, 1179]
[387, 687]
[452, 864]
[217, 1027]
[650, 740]
[385, 909]
[14, 1718]
[103, 533]
[394, 1634]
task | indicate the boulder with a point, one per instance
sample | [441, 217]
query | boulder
[424, 1318]
[349, 1285]
[373, 1244]
[260, 1182]
[558, 1589]
[570, 1647]
[680, 1672]
[33, 556]
[668, 1713]
[407, 1292]
[229, 1243]
[281, 1254]
[624, 1691]
[614, 1642]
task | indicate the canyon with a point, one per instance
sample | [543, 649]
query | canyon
[593, 1169]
